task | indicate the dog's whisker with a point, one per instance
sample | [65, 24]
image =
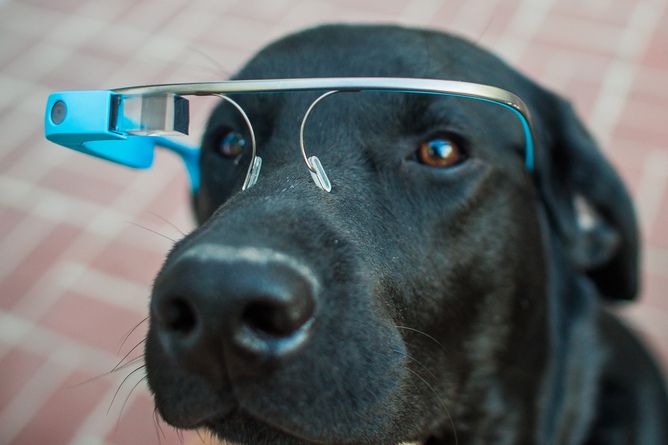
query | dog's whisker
[113, 399]
[442, 403]
[132, 361]
[484, 30]
[199, 434]
[221, 69]
[120, 414]
[177, 228]
[407, 328]
[416, 361]
[401, 398]
[158, 428]
[152, 231]
[125, 338]
[116, 368]
[89, 380]
[127, 354]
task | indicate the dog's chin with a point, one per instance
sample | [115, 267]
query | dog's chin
[239, 428]
[243, 429]
[235, 425]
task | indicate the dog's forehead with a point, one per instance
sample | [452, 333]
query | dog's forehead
[350, 120]
[372, 50]
[354, 50]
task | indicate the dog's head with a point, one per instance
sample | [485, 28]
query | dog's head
[409, 302]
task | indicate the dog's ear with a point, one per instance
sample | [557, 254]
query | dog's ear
[588, 204]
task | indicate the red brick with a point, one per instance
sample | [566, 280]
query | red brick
[649, 88]
[92, 73]
[23, 146]
[130, 262]
[20, 44]
[58, 419]
[659, 234]
[5, 348]
[90, 321]
[151, 15]
[137, 425]
[68, 6]
[655, 53]
[36, 264]
[84, 184]
[643, 136]
[613, 13]
[646, 118]
[176, 195]
[496, 27]
[107, 11]
[628, 158]
[89, 166]
[536, 58]
[654, 293]
[10, 157]
[227, 37]
[16, 369]
[579, 35]
[271, 11]
[376, 6]
[649, 323]
[9, 219]
[583, 93]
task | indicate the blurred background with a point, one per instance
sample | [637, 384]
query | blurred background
[77, 247]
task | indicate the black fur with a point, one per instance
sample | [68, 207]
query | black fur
[487, 261]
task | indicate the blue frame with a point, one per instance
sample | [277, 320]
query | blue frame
[86, 127]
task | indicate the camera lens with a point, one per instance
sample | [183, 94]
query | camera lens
[58, 112]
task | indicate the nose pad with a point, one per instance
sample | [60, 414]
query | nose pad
[206, 307]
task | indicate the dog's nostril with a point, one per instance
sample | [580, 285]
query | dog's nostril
[178, 315]
[276, 318]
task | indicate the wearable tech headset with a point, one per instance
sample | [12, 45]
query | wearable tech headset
[125, 125]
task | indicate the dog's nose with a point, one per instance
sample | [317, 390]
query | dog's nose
[213, 301]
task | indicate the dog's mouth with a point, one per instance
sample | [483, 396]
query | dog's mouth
[256, 412]
[239, 427]
[235, 425]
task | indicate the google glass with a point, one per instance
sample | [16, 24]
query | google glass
[124, 125]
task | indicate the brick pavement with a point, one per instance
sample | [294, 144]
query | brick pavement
[75, 270]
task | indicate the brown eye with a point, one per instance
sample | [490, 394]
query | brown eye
[232, 145]
[439, 152]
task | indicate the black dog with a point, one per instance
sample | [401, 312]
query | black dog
[450, 300]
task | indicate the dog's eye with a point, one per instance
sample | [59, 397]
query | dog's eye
[439, 152]
[232, 144]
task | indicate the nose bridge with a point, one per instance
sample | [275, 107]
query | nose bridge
[286, 212]
[257, 258]
[327, 133]
[277, 212]
[227, 274]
